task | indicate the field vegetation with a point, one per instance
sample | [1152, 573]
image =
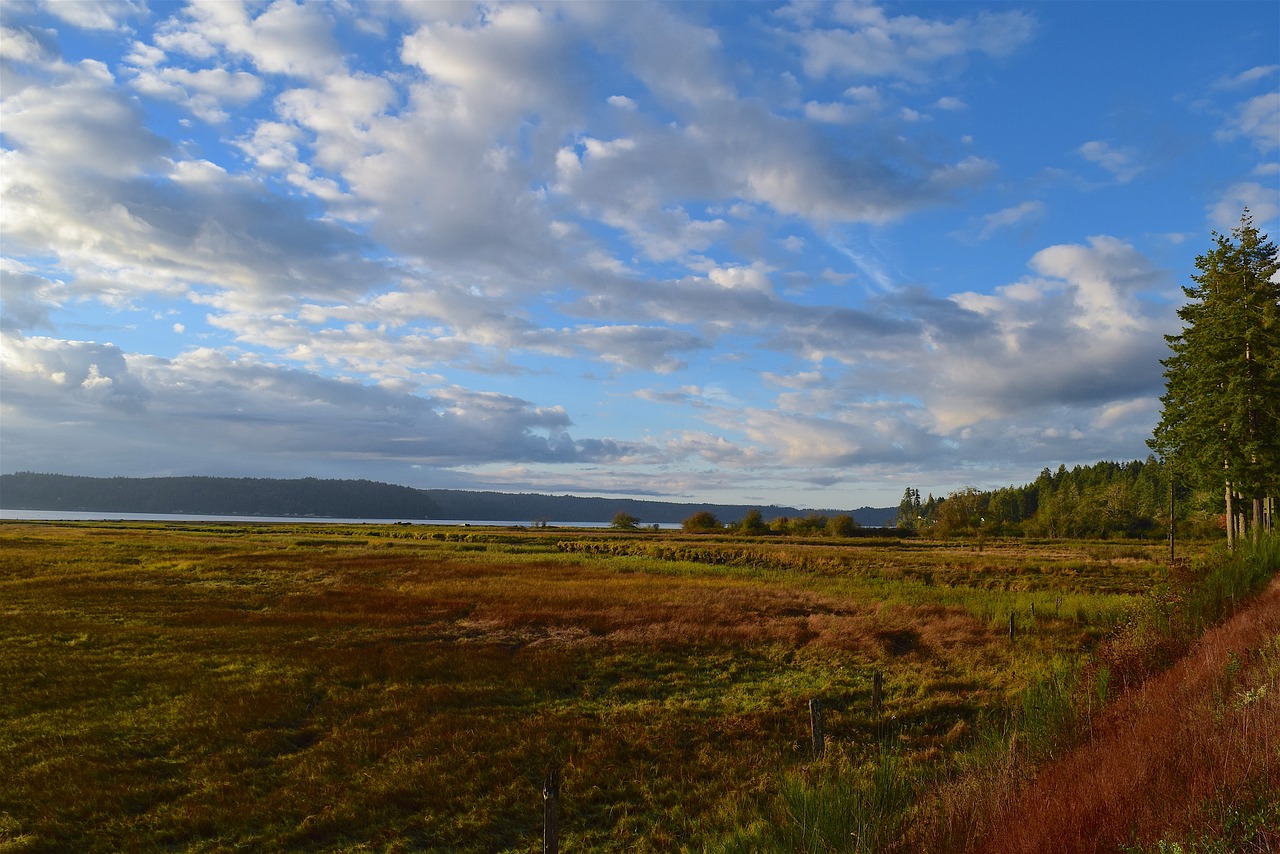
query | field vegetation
[395, 688]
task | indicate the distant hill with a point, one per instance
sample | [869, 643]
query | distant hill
[221, 496]
[355, 499]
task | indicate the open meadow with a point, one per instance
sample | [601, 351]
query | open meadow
[392, 688]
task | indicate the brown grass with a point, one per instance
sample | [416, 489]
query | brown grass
[1204, 733]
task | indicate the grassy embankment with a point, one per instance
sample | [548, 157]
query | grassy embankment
[390, 688]
[1185, 757]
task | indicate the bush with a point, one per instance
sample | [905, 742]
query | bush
[753, 523]
[843, 525]
[702, 521]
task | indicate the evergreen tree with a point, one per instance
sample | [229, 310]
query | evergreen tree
[908, 509]
[1220, 426]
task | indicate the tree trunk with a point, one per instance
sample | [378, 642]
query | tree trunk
[1231, 521]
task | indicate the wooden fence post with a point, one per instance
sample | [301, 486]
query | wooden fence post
[551, 812]
[1012, 629]
[877, 692]
[816, 728]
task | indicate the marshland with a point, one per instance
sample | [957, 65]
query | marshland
[302, 686]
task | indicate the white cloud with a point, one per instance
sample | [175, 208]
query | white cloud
[680, 62]
[868, 42]
[27, 298]
[95, 14]
[1257, 119]
[994, 222]
[286, 38]
[1081, 335]
[20, 45]
[1122, 163]
[1263, 203]
[204, 91]
[1249, 76]
[638, 348]
[79, 118]
[508, 65]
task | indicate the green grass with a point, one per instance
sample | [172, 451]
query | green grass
[306, 687]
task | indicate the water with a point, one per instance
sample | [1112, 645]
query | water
[94, 516]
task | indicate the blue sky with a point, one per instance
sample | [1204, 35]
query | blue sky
[792, 253]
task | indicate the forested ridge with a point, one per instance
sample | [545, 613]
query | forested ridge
[349, 499]
[231, 496]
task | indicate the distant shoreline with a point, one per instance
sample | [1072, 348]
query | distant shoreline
[21, 515]
[228, 499]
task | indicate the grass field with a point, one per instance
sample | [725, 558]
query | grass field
[394, 688]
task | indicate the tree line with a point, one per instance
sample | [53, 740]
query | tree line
[1106, 499]
[753, 523]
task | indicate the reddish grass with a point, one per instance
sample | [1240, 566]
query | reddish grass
[1204, 733]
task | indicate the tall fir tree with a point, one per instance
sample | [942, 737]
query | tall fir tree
[1220, 426]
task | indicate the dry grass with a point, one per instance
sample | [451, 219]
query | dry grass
[1205, 732]
[1187, 759]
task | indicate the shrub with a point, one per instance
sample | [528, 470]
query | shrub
[843, 525]
[703, 520]
[624, 522]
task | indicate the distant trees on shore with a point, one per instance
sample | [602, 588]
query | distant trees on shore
[1106, 499]
[753, 523]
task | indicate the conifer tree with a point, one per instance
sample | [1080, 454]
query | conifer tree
[1220, 426]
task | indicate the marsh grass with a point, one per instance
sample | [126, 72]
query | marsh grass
[289, 687]
[837, 805]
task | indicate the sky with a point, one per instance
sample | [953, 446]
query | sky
[804, 254]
